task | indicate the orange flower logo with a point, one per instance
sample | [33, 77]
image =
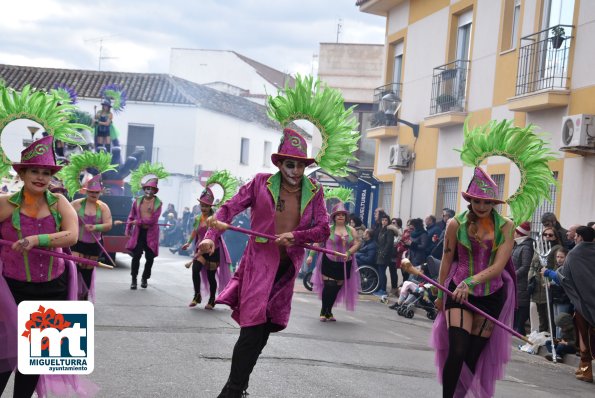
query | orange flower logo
[43, 319]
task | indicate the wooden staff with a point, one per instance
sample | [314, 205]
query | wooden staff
[409, 268]
[119, 222]
[65, 256]
[111, 260]
[273, 237]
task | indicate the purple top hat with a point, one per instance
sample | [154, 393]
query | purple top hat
[207, 197]
[151, 182]
[94, 184]
[39, 154]
[481, 187]
[292, 146]
[339, 208]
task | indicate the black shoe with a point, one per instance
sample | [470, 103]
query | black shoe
[143, 283]
[172, 250]
[133, 284]
[394, 306]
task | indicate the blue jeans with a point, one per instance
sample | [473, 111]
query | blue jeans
[381, 268]
[559, 308]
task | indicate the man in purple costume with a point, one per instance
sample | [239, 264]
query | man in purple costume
[290, 206]
[144, 216]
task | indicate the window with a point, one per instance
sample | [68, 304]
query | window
[386, 195]
[544, 207]
[447, 193]
[516, 14]
[266, 160]
[398, 62]
[464, 35]
[510, 24]
[499, 179]
[244, 151]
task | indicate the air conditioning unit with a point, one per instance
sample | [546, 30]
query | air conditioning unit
[578, 131]
[399, 157]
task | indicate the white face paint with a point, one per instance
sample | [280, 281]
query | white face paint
[292, 171]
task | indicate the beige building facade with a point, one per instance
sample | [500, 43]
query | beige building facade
[449, 61]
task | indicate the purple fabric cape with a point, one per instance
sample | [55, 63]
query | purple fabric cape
[252, 292]
[223, 274]
[153, 230]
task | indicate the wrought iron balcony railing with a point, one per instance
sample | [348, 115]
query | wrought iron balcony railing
[380, 118]
[543, 60]
[449, 87]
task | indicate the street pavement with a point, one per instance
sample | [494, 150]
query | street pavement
[149, 343]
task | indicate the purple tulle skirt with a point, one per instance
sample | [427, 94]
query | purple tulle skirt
[350, 290]
[61, 385]
[492, 362]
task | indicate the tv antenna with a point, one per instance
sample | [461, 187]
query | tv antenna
[339, 28]
[102, 56]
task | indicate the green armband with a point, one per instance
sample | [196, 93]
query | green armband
[440, 294]
[470, 282]
[99, 227]
[44, 240]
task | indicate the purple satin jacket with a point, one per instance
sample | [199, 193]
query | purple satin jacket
[153, 230]
[252, 292]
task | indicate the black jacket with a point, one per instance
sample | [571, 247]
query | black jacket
[522, 254]
[420, 247]
[385, 242]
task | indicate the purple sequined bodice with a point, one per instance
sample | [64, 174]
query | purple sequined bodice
[466, 267]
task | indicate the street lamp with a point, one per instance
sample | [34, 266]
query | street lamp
[391, 103]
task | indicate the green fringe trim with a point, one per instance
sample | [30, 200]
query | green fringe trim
[345, 195]
[324, 107]
[146, 168]
[70, 175]
[39, 107]
[226, 181]
[527, 150]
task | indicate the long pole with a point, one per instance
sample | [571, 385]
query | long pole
[409, 268]
[273, 237]
[65, 256]
[119, 222]
[111, 260]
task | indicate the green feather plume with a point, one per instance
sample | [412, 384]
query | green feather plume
[345, 195]
[527, 150]
[39, 107]
[70, 175]
[226, 181]
[146, 168]
[324, 107]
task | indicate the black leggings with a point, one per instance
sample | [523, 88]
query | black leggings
[142, 246]
[211, 276]
[330, 291]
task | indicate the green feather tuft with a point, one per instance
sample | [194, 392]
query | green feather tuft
[226, 181]
[345, 195]
[39, 107]
[70, 175]
[527, 150]
[324, 107]
[143, 170]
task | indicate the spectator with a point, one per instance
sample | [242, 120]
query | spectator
[403, 247]
[522, 254]
[356, 222]
[187, 221]
[366, 255]
[395, 226]
[577, 277]
[385, 241]
[550, 220]
[567, 343]
[571, 235]
[434, 231]
[378, 213]
[560, 301]
[420, 243]
[170, 210]
[536, 282]
[447, 214]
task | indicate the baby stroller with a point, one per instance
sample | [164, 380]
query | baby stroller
[421, 295]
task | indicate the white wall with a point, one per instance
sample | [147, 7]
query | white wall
[449, 139]
[398, 17]
[584, 51]
[207, 66]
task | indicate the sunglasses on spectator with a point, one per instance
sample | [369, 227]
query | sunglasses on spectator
[549, 235]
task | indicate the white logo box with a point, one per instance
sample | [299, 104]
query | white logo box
[75, 357]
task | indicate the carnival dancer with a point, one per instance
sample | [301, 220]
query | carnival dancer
[94, 216]
[289, 205]
[212, 267]
[471, 353]
[336, 280]
[113, 97]
[142, 226]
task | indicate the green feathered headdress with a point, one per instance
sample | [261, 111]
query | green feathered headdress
[39, 107]
[71, 174]
[324, 107]
[226, 181]
[146, 169]
[525, 149]
[345, 195]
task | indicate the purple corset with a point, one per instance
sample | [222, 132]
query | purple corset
[42, 268]
[84, 235]
[200, 235]
[467, 267]
[339, 244]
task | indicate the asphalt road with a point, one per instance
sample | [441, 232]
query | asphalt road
[149, 343]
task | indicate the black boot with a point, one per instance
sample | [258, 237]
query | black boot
[143, 283]
[133, 284]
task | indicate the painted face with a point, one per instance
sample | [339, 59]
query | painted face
[482, 208]
[149, 192]
[560, 257]
[93, 195]
[292, 171]
[36, 180]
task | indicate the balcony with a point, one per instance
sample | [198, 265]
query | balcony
[383, 125]
[449, 101]
[377, 7]
[542, 75]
